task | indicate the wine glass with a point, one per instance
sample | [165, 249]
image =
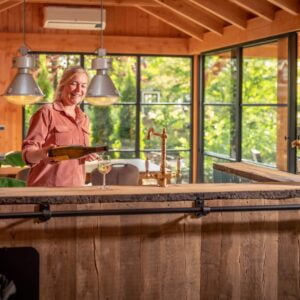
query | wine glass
[104, 167]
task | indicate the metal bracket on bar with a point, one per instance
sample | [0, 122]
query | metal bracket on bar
[203, 211]
[45, 210]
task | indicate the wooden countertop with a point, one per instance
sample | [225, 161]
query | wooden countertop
[256, 173]
[182, 192]
[9, 171]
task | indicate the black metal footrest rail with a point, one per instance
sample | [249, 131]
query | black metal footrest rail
[199, 210]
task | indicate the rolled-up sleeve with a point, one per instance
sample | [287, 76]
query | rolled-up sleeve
[38, 131]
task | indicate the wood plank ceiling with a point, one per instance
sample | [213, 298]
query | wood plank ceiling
[192, 17]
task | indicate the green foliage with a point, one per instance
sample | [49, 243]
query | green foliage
[11, 182]
[44, 80]
[101, 125]
[13, 159]
[259, 123]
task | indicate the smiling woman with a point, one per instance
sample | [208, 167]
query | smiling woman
[60, 123]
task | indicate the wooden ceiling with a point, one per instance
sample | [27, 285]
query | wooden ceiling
[192, 17]
[205, 24]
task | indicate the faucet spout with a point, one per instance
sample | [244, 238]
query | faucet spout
[150, 132]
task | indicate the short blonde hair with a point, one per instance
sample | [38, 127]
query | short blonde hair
[67, 76]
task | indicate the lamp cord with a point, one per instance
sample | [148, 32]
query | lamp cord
[101, 24]
[24, 23]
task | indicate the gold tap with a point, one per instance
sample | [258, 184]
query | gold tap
[296, 143]
[163, 175]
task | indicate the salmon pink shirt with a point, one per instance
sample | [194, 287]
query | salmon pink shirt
[52, 125]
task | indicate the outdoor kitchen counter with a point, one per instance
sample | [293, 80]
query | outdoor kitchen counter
[232, 255]
[183, 192]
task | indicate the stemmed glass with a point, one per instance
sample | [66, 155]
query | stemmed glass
[104, 167]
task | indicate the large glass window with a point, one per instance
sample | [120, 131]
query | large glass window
[245, 106]
[165, 103]
[264, 103]
[155, 92]
[219, 108]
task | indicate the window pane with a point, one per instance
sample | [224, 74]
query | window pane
[208, 167]
[263, 69]
[122, 73]
[220, 78]
[29, 111]
[219, 130]
[175, 118]
[259, 134]
[113, 126]
[165, 79]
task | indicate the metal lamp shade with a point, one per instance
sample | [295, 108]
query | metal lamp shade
[23, 89]
[101, 91]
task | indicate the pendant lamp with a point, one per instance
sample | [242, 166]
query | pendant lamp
[23, 89]
[101, 91]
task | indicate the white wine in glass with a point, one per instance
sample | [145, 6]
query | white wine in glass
[104, 167]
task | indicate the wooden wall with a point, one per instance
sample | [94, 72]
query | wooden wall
[221, 256]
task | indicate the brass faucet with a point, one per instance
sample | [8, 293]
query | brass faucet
[163, 175]
[296, 143]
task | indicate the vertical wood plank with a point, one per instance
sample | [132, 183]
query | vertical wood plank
[192, 253]
[288, 255]
[210, 254]
[87, 259]
[109, 254]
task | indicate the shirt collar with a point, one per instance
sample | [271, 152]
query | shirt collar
[57, 105]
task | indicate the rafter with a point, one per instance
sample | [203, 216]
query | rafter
[175, 21]
[260, 8]
[92, 2]
[224, 10]
[6, 4]
[291, 6]
[193, 13]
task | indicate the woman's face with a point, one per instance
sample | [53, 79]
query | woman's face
[74, 91]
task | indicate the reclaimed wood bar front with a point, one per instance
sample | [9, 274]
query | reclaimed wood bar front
[241, 255]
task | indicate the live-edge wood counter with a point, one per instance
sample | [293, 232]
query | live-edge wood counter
[227, 255]
[180, 192]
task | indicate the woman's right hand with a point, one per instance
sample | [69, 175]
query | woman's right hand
[34, 156]
[45, 156]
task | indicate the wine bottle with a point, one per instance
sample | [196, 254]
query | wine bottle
[73, 152]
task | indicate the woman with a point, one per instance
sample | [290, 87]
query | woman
[60, 123]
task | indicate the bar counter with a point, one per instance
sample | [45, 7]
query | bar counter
[233, 255]
[180, 192]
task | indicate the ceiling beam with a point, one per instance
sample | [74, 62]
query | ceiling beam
[56, 42]
[225, 10]
[93, 2]
[290, 6]
[260, 8]
[193, 13]
[175, 21]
